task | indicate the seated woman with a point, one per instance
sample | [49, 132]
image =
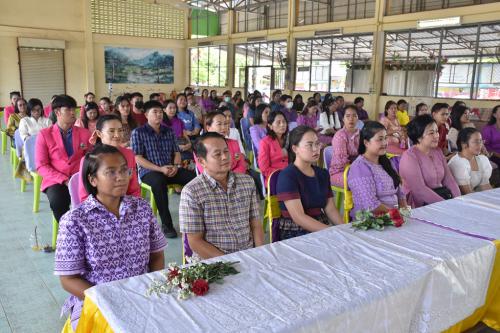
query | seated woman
[108, 225]
[471, 170]
[20, 111]
[254, 104]
[109, 131]
[459, 120]
[303, 189]
[396, 135]
[89, 117]
[441, 115]
[233, 132]
[273, 154]
[177, 126]
[31, 125]
[123, 110]
[345, 145]
[309, 116]
[373, 181]
[259, 130]
[421, 109]
[491, 135]
[329, 121]
[423, 168]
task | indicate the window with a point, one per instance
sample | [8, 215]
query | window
[314, 12]
[42, 72]
[461, 62]
[208, 66]
[395, 7]
[271, 53]
[253, 15]
[334, 64]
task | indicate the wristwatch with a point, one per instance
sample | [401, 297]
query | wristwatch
[178, 166]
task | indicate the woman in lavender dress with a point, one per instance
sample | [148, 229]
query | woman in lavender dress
[110, 236]
[374, 182]
[259, 130]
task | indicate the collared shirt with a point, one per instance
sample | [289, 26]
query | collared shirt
[95, 243]
[223, 216]
[157, 148]
[29, 126]
[189, 120]
[67, 140]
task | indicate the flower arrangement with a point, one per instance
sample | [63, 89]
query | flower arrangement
[365, 219]
[191, 280]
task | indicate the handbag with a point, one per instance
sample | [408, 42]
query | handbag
[443, 192]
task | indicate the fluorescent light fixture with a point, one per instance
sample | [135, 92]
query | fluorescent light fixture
[333, 32]
[438, 23]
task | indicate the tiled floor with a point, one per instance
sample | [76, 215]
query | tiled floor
[30, 295]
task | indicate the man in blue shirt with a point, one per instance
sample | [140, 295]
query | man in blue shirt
[159, 161]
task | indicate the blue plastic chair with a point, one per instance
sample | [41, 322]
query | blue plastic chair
[29, 156]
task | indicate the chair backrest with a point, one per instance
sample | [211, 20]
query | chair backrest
[18, 142]
[273, 207]
[348, 202]
[29, 153]
[292, 125]
[73, 190]
[327, 157]
[187, 249]
[245, 129]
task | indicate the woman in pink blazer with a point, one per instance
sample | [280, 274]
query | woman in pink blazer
[59, 149]
[273, 154]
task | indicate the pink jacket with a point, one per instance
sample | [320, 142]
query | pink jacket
[133, 185]
[7, 111]
[271, 157]
[47, 110]
[52, 162]
[237, 165]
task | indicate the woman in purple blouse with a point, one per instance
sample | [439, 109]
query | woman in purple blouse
[423, 167]
[207, 103]
[309, 116]
[491, 135]
[171, 120]
[259, 130]
[110, 236]
[374, 182]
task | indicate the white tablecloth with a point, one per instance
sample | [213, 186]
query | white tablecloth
[410, 279]
[466, 214]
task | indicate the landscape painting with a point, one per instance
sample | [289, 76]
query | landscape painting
[134, 65]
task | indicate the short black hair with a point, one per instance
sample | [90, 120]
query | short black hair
[438, 106]
[32, 103]
[401, 101]
[152, 104]
[464, 136]
[14, 93]
[63, 101]
[358, 100]
[153, 96]
[89, 94]
[416, 127]
[257, 118]
[283, 98]
[418, 107]
[91, 164]
[136, 94]
[199, 146]
[209, 118]
[295, 137]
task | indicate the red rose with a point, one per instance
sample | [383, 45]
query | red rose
[173, 273]
[396, 217]
[199, 287]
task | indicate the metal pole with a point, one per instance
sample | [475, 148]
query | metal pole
[330, 67]
[436, 90]
[407, 62]
[353, 60]
[310, 65]
[478, 35]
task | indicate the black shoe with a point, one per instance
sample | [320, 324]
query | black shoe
[170, 232]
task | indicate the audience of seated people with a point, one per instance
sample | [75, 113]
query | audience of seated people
[219, 212]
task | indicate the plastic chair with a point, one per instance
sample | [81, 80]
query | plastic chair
[4, 141]
[73, 190]
[348, 202]
[18, 143]
[292, 125]
[146, 189]
[55, 230]
[245, 129]
[339, 191]
[273, 210]
[29, 156]
[256, 168]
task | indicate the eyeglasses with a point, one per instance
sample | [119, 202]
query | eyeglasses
[313, 146]
[112, 174]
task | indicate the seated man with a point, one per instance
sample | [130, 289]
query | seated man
[59, 149]
[159, 159]
[219, 210]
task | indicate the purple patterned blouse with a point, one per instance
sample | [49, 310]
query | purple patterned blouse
[102, 248]
[371, 186]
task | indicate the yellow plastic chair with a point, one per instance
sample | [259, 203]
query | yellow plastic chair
[4, 141]
[14, 161]
[146, 190]
[348, 202]
[272, 207]
[37, 184]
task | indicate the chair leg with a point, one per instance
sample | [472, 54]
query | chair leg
[23, 185]
[338, 199]
[15, 163]
[153, 203]
[37, 183]
[4, 142]
[55, 229]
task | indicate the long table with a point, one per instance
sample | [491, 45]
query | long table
[426, 276]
